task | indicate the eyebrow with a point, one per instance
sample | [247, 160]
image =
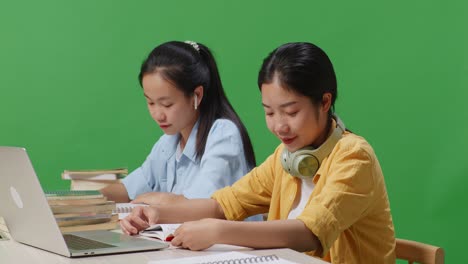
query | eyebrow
[159, 99]
[282, 105]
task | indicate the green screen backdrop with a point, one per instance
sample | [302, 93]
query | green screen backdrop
[69, 91]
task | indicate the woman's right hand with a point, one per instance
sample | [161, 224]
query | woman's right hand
[139, 219]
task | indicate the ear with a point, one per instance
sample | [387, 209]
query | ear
[326, 102]
[199, 92]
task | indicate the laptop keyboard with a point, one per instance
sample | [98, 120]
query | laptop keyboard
[81, 243]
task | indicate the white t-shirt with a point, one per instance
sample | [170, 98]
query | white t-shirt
[307, 186]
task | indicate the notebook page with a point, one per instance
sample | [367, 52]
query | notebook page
[221, 258]
[165, 232]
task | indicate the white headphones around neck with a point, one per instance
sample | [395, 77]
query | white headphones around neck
[305, 162]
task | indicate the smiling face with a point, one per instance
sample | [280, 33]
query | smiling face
[293, 118]
[169, 107]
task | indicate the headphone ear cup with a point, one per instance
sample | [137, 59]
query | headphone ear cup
[305, 165]
[285, 157]
[305, 162]
[301, 163]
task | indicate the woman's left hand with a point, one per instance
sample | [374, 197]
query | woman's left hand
[154, 198]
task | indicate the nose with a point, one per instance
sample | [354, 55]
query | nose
[281, 127]
[158, 115]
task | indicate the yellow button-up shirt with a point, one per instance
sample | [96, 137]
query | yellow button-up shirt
[348, 209]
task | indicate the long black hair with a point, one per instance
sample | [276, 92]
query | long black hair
[188, 65]
[301, 67]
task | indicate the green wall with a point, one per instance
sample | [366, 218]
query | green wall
[69, 90]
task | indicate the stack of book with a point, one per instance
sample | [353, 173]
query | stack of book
[93, 179]
[82, 210]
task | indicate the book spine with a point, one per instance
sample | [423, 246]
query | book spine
[95, 201]
[91, 184]
[107, 176]
[77, 228]
[67, 209]
[84, 197]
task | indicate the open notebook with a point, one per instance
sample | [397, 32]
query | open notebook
[164, 232]
[228, 257]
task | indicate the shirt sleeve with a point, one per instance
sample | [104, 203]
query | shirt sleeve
[141, 179]
[250, 195]
[345, 198]
[222, 163]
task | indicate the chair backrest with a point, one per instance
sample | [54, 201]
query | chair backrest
[413, 251]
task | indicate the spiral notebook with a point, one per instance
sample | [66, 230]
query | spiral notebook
[228, 257]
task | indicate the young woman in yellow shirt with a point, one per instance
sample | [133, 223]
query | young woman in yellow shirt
[322, 187]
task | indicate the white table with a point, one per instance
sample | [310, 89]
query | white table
[14, 252]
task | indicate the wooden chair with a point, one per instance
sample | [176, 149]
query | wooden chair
[413, 251]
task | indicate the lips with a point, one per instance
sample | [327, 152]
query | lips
[164, 126]
[288, 141]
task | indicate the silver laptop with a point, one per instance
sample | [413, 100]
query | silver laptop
[30, 221]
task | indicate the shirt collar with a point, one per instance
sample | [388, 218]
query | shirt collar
[190, 147]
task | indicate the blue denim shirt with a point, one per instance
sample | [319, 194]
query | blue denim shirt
[221, 165]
